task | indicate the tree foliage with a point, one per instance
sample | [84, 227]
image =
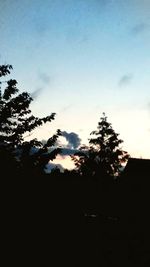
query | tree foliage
[104, 156]
[16, 119]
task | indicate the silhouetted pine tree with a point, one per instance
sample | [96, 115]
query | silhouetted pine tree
[104, 156]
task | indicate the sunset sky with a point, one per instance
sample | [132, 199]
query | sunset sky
[80, 58]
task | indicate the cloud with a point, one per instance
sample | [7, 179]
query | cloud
[139, 28]
[73, 139]
[68, 151]
[65, 108]
[51, 166]
[36, 93]
[44, 77]
[125, 80]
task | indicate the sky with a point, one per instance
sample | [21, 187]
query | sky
[80, 58]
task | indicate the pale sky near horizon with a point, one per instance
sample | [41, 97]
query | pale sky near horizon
[80, 58]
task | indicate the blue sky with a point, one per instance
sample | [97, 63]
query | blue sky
[80, 58]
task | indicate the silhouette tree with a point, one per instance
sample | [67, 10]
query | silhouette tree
[16, 120]
[103, 156]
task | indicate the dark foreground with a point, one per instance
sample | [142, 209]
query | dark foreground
[76, 222]
[91, 227]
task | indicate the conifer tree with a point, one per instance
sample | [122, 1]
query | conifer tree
[104, 156]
